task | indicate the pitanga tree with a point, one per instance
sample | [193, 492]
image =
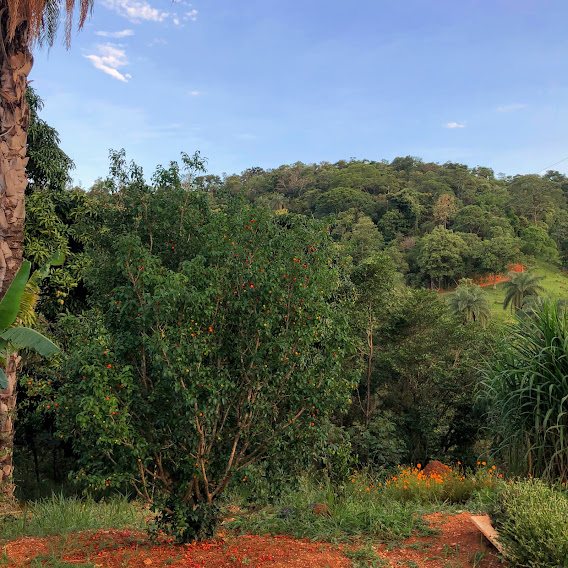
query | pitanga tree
[215, 340]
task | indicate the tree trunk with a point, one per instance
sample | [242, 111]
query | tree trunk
[369, 370]
[7, 419]
[14, 121]
[15, 64]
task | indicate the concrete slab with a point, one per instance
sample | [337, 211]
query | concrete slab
[483, 523]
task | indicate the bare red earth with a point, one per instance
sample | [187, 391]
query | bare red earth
[458, 543]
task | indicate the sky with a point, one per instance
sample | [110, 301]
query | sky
[271, 82]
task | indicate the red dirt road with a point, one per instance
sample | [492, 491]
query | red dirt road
[457, 544]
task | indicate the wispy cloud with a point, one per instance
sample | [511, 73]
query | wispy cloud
[194, 93]
[123, 33]
[454, 125]
[191, 15]
[157, 41]
[136, 11]
[109, 59]
[512, 107]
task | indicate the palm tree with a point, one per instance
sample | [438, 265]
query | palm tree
[521, 285]
[471, 303]
[23, 24]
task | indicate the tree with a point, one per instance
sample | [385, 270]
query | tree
[444, 209]
[521, 285]
[538, 243]
[22, 25]
[364, 239]
[48, 165]
[470, 302]
[534, 196]
[497, 253]
[426, 373]
[374, 280]
[441, 255]
[216, 340]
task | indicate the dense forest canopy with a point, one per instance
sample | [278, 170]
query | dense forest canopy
[439, 222]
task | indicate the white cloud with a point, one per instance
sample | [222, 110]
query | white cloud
[123, 33]
[136, 11]
[454, 125]
[109, 59]
[194, 93]
[512, 107]
[157, 41]
[191, 15]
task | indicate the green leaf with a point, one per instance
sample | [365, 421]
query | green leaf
[26, 338]
[56, 259]
[3, 379]
[10, 303]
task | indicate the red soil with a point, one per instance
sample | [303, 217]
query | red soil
[436, 468]
[456, 543]
[489, 279]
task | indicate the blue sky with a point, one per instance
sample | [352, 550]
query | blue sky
[268, 82]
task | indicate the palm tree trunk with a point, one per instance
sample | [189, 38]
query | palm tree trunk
[7, 429]
[14, 121]
[15, 64]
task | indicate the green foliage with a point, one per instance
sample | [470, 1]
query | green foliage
[536, 242]
[425, 376]
[48, 166]
[535, 197]
[215, 341]
[19, 337]
[441, 255]
[10, 304]
[519, 287]
[532, 520]
[186, 521]
[525, 388]
[498, 252]
[470, 302]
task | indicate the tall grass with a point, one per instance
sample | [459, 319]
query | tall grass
[60, 515]
[354, 512]
[526, 389]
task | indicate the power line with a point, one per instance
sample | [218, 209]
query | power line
[551, 165]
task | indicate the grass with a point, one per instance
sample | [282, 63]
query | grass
[555, 284]
[59, 515]
[355, 513]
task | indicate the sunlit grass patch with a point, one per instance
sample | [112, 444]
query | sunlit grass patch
[58, 515]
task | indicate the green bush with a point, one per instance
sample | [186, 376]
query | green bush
[216, 340]
[532, 521]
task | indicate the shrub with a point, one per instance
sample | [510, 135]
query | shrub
[216, 340]
[532, 521]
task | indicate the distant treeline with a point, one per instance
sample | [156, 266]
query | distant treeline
[439, 222]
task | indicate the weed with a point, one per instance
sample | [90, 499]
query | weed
[364, 557]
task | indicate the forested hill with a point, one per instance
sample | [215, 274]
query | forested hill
[439, 223]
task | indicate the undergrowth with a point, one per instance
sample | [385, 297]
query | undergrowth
[60, 515]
